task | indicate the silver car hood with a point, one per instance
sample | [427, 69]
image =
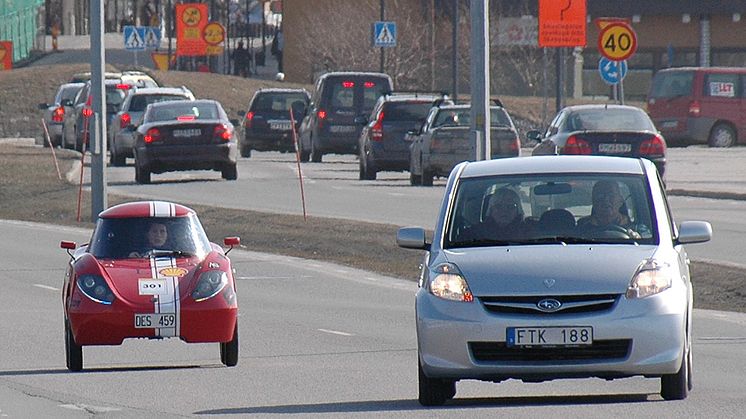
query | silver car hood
[549, 269]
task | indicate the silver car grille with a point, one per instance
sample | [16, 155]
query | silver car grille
[569, 304]
[599, 350]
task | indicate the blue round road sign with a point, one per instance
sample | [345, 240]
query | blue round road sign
[612, 72]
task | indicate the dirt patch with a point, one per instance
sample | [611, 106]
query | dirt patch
[31, 191]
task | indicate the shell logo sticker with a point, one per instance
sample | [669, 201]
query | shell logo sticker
[179, 272]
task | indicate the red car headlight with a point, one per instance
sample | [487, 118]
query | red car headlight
[210, 283]
[95, 288]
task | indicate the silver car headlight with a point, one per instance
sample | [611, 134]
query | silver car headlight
[651, 277]
[447, 282]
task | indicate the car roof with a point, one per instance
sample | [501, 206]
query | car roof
[463, 106]
[179, 103]
[554, 165]
[282, 90]
[592, 106]
[355, 74]
[405, 97]
[158, 90]
[144, 209]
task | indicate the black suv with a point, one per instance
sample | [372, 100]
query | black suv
[382, 141]
[266, 123]
[329, 125]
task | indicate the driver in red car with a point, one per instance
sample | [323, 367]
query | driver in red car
[156, 238]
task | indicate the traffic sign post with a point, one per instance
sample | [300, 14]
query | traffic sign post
[612, 72]
[384, 34]
[141, 38]
[617, 41]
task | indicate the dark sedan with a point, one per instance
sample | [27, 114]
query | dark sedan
[185, 135]
[608, 130]
[267, 125]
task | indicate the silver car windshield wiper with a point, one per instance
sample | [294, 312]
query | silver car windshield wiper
[483, 243]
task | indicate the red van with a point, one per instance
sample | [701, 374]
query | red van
[699, 105]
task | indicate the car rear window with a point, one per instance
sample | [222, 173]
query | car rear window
[462, 117]
[276, 102]
[69, 92]
[187, 109]
[670, 84]
[406, 111]
[138, 103]
[355, 93]
[609, 120]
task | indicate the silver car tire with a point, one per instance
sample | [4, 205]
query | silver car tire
[434, 391]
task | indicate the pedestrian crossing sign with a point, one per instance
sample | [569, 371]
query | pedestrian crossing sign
[384, 34]
[140, 38]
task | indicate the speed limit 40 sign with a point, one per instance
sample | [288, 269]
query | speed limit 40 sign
[617, 41]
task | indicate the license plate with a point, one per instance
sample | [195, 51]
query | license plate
[341, 128]
[153, 320]
[614, 148]
[549, 336]
[181, 133]
[279, 125]
[669, 124]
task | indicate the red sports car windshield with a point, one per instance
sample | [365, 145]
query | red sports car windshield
[118, 238]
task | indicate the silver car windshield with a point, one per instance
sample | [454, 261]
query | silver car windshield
[541, 209]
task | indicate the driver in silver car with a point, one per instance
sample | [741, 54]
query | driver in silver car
[608, 212]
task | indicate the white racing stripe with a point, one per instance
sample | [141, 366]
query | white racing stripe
[169, 302]
[162, 209]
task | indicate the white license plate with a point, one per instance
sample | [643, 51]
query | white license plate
[187, 132]
[280, 125]
[669, 124]
[549, 336]
[614, 148]
[153, 320]
[341, 128]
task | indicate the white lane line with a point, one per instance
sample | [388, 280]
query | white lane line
[46, 287]
[335, 332]
[90, 408]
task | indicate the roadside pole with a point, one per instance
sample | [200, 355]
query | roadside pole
[98, 139]
[480, 79]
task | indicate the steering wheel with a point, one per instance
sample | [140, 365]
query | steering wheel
[613, 231]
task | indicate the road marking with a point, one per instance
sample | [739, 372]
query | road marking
[335, 332]
[90, 408]
[46, 287]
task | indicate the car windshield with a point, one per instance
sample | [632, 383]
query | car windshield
[609, 119]
[548, 209]
[138, 103]
[187, 110]
[69, 92]
[114, 98]
[277, 102]
[462, 117]
[117, 238]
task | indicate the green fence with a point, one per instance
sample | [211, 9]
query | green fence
[19, 23]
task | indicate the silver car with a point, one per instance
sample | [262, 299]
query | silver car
[552, 267]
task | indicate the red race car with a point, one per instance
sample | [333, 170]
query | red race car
[149, 271]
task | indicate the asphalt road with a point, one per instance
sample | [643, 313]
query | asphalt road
[269, 182]
[315, 339]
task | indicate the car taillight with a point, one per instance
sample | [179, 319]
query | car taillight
[321, 117]
[123, 86]
[249, 119]
[153, 134]
[376, 132]
[348, 84]
[59, 114]
[654, 145]
[369, 85]
[514, 144]
[694, 108]
[223, 132]
[575, 145]
[87, 112]
[124, 120]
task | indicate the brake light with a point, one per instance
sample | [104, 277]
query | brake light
[654, 145]
[322, 116]
[124, 120]
[694, 108]
[153, 134]
[369, 85]
[59, 114]
[185, 118]
[87, 112]
[575, 145]
[123, 86]
[223, 132]
[376, 132]
[514, 144]
[348, 84]
[249, 119]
